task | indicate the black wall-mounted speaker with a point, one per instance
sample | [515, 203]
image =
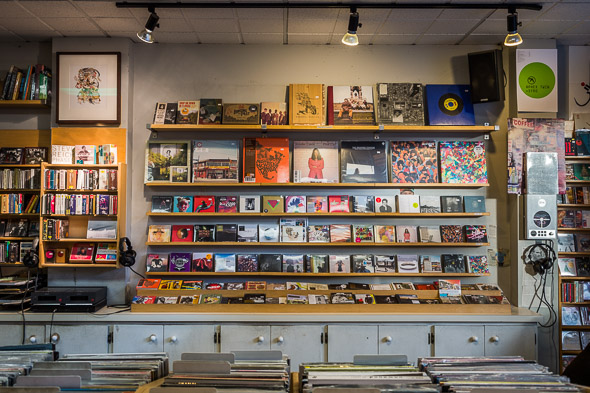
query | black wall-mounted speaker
[486, 76]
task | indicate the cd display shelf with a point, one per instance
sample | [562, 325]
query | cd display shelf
[78, 224]
[562, 328]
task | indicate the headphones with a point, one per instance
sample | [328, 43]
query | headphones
[126, 256]
[31, 257]
[539, 259]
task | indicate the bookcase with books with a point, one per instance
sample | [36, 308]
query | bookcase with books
[82, 198]
[28, 87]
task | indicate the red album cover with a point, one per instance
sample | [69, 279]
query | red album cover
[338, 204]
[204, 204]
[182, 233]
[271, 162]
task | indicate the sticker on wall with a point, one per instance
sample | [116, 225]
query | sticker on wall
[537, 80]
[578, 80]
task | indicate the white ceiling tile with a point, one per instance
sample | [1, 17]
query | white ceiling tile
[208, 13]
[260, 13]
[574, 39]
[448, 27]
[579, 28]
[440, 39]
[567, 11]
[413, 14]
[484, 39]
[143, 13]
[214, 25]
[174, 25]
[552, 27]
[39, 36]
[261, 25]
[309, 26]
[312, 13]
[464, 14]
[22, 25]
[404, 27]
[522, 15]
[257, 39]
[491, 26]
[96, 33]
[308, 39]
[394, 39]
[119, 24]
[103, 9]
[8, 9]
[219, 38]
[175, 38]
[49, 9]
[70, 24]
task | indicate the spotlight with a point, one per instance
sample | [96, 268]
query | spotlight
[350, 38]
[513, 38]
[146, 34]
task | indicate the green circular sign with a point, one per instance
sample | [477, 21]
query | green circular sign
[536, 80]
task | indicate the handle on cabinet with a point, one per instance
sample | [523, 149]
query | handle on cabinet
[388, 339]
[173, 339]
[153, 338]
[260, 339]
[33, 339]
[280, 339]
[55, 338]
[495, 339]
[474, 339]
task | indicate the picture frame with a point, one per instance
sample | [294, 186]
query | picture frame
[88, 88]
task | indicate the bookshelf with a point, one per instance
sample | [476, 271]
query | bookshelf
[28, 104]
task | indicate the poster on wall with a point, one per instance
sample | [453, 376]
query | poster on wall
[536, 70]
[579, 79]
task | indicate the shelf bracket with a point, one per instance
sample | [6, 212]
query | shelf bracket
[153, 133]
[264, 130]
[377, 134]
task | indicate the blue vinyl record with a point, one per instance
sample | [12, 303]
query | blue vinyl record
[449, 105]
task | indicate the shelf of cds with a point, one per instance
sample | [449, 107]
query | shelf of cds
[329, 128]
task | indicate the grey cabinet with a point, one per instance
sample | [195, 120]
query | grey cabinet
[70, 339]
[410, 340]
[244, 338]
[178, 339]
[13, 334]
[511, 340]
[303, 343]
[138, 338]
[459, 340]
[345, 341]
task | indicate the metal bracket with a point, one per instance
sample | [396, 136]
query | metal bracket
[153, 134]
[486, 137]
[377, 133]
[264, 129]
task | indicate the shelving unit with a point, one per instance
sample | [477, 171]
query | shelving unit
[352, 214]
[322, 185]
[562, 328]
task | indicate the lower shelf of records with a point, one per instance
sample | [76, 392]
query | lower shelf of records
[318, 301]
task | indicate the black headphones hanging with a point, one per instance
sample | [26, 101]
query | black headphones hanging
[31, 257]
[126, 256]
[540, 265]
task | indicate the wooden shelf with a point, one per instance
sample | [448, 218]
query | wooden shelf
[286, 274]
[11, 264]
[19, 191]
[19, 214]
[47, 191]
[573, 229]
[323, 214]
[287, 244]
[41, 104]
[574, 278]
[323, 185]
[577, 158]
[23, 238]
[80, 215]
[575, 303]
[74, 240]
[89, 265]
[581, 182]
[571, 352]
[575, 327]
[573, 205]
[423, 294]
[80, 166]
[8, 166]
[315, 129]
[573, 254]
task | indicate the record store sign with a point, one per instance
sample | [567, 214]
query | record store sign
[537, 80]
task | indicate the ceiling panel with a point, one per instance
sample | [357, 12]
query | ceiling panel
[257, 39]
[176, 38]
[550, 27]
[219, 38]
[440, 39]
[23, 25]
[479, 39]
[174, 25]
[579, 28]
[309, 39]
[103, 9]
[394, 39]
[567, 11]
[52, 8]
[118, 24]
[172, 13]
[309, 26]
[209, 26]
[208, 13]
[403, 13]
[259, 13]
[71, 24]
[261, 26]
[404, 27]
[449, 27]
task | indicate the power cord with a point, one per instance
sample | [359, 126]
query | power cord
[51, 324]
[139, 274]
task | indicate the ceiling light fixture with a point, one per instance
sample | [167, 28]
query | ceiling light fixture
[146, 34]
[513, 38]
[350, 38]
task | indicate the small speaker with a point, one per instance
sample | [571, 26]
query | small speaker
[541, 216]
[486, 75]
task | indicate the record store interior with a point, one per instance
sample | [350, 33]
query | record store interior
[291, 196]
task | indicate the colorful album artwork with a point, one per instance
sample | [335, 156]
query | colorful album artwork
[315, 162]
[353, 105]
[463, 162]
[451, 233]
[266, 160]
[161, 157]
[215, 161]
[413, 162]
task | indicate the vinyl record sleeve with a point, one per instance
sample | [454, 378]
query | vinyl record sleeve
[449, 105]
[363, 162]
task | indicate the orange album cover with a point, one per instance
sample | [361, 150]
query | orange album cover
[266, 160]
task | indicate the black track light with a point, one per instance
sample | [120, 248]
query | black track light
[146, 35]
[513, 38]
[350, 38]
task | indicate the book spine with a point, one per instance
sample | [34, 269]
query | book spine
[7, 83]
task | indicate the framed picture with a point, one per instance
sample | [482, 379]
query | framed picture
[88, 88]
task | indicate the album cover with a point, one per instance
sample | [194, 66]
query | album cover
[385, 204]
[204, 204]
[475, 299]
[202, 262]
[451, 233]
[407, 298]
[570, 316]
[16, 228]
[582, 242]
[210, 111]
[273, 204]
[247, 263]
[407, 234]
[306, 104]
[363, 204]
[318, 263]
[226, 232]
[210, 299]
[477, 264]
[581, 171]
[159, 233]
[353, 105]
[567, 266]
[157, 263]
[225, 263]
[363, 233]
[453, 263]
[342, 298]
[170, 284]
[338, 204]
[35, 155]
[205, 233]
[182, 204]
[296, 286]
[385, 299]
[318, 233]
[429, 204]
[317, 287]
[148, 283]
[384, 263]
[408, 203]
[161, 157]
[430, 264]
[339, 263]
[315, 162]
[227, 204]
[570, 341]
[476, 233]
[182, 233]
[449, 105]
[340, 233]
[273, 113]
[214, 286]
[566, 219]
[241, 114]
[463, 162]
[85, 154]
[268, 233]
[295, 204]
[451, 204]
[170, 114]
[413, 162]
[318, 299]
[384, 233]
[266, 160]
[292, 231]
[363, 264]
[317, 204]
[566, 242]
[429, 234]
[60, 154]
[363, 162]
[248, 233]
[11, 155]
[293, 263]
[585, 338]
[187, 112]
[474, 204]
[297, 299]
[400, 104]
[161, 204]
[215, 161]
[270, 262]
[249, 203]
[180, 262]
[407, 263]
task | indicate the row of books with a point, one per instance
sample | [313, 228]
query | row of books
[268, 160]
[20, 179]
[19, 228]
[32, 83]
[577, 171]
[575, 291]
[185, 262]
[399, 103]
[406, 203]
[570, 242]
[76, 204]
[575, 315]
[573, 218]
[19, 203]
[84, 154]
[105, 253]
[14, 251]
[298, 231]
[575, 195]
[579, 144]
[55, 229]
[22, 155]
[80, 179]
[574, 340]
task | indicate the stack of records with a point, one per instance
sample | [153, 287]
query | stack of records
[18, 360]
[505, 373]
[15, 292]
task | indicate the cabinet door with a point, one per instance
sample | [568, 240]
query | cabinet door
[13, 334]
[303, 343]
[179, 339]
[409, 340]
[508, 340]
[79, 338]
[138, 338]
[459, 340]
[245, 338]
[346, 341]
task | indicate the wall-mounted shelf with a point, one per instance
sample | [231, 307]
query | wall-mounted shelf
[33, 104]
[287, 244]
[572, 206]
[323, 214]
[323, 185]
[323, 275]
[315, 129]
[573, 229]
